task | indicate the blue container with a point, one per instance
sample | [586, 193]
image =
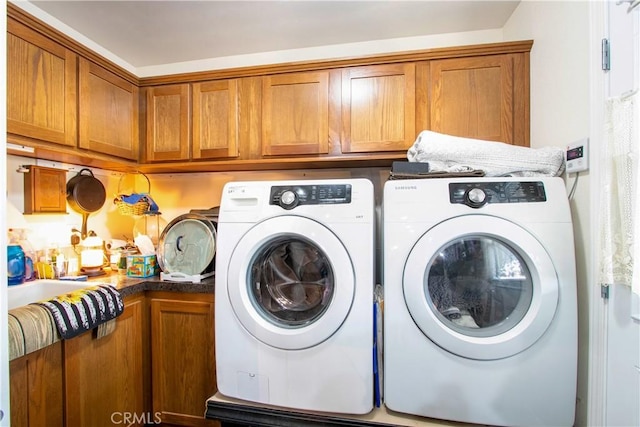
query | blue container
[15, 264]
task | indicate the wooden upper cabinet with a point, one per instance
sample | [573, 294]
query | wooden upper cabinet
[45, 190]
[295, 114]
[108, 106]
[378, 108]
[215, 120]
[41, 87]
[168, 126]
[484, 97]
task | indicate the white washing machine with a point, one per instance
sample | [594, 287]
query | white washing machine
[480, 320]
[294, 294]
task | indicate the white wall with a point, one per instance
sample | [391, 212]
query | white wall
[175, 194]
[560, 108]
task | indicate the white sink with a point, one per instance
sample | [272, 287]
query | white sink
[39, 290]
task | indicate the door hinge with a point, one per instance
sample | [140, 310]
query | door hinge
[606, 55]
[604, 291]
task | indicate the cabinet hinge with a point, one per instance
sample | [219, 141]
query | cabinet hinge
[606, 55]
[604, 290]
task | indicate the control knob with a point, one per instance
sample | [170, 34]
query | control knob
[475, 198]
[288, 199]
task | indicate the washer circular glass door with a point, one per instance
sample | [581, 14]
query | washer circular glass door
[482, 295]
[291, 282]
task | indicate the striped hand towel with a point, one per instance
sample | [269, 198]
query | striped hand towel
[80, 311]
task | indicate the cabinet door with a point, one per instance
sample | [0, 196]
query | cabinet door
[45, 190]
[378, 108]
[295, 114]
[108, 112]
[36, 388]
[182, 357]
[104, 377]
[168, 125]
[215, 119]
[481, 97]
[41, 87]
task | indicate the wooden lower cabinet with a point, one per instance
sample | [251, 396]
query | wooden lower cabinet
[104, 378]
[36, 388]
[182, 356]
[156, 367]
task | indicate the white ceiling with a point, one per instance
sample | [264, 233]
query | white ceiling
[154, 33]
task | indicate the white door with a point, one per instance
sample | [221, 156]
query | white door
[4, 353]
[480, 295]
[622, 378]
[291, 289]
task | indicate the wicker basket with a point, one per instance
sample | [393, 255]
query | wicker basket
[138, 208]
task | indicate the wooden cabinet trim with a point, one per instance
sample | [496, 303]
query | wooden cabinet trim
[18, 15]
[398, 57]
[26, 33]
[15, 13]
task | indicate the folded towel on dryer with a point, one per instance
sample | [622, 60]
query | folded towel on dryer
[450, 153]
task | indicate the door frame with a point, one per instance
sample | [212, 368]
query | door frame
[601, 88]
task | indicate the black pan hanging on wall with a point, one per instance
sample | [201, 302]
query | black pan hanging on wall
[85, 194]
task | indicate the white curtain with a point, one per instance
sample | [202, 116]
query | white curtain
[620, 214]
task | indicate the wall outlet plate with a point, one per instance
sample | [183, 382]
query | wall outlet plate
[577, 156]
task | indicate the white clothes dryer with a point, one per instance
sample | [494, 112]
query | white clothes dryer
[480, 320]
[294, 294]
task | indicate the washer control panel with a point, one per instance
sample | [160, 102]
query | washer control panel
[477, 194]
[288, 197]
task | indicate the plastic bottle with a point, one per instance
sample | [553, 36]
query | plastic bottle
[60, 265]
[15, 265]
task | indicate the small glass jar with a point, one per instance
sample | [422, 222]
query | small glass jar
[122, 262]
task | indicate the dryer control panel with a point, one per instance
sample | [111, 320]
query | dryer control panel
[288, 196]
[477, 194]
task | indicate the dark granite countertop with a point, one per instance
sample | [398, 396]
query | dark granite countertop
[132, 285]
[31, 327]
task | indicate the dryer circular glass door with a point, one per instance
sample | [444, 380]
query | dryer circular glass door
[291, 282]
[480, 287]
